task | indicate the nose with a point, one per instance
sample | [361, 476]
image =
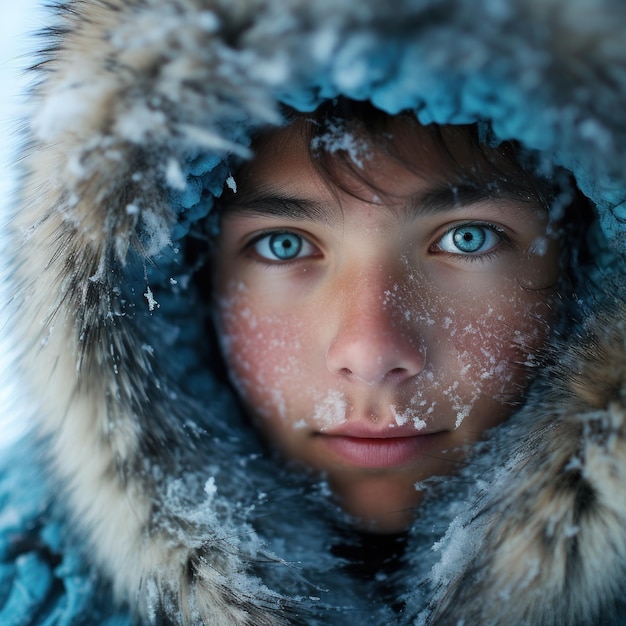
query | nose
[373, 343]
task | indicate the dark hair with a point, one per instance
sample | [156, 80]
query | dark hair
[494, 166]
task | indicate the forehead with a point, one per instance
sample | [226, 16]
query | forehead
[349, 149]
[309, 160]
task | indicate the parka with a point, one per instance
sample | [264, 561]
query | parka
[140, 493]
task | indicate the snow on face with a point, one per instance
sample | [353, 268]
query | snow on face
[372, 339]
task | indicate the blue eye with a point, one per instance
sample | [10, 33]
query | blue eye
[284, 246]
[469, 239]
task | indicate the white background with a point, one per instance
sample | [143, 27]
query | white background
[19, 19]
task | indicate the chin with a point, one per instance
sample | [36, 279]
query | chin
[379, 504]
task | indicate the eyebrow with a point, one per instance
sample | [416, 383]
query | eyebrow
[442, 198]
[452, 196]
[284, 207]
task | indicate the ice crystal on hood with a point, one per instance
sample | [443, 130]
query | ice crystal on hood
[140, 122]
[149, 296]
[69, 107]
[232, 184]
[210, 488]
[155, 231]
[174, 175]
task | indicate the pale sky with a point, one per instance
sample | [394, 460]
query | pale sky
[19, 19]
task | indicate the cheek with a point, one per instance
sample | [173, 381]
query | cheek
[494, 344]
[264, 352]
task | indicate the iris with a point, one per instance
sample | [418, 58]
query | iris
[469, 238]
[284, 246]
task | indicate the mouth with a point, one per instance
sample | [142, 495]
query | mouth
[362, 447]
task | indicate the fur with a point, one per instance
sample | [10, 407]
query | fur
[139, 104]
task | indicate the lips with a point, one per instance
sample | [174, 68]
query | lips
[359, 445]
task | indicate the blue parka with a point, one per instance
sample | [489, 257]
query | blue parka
[140, 494]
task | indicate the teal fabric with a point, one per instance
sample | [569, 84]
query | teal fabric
[43, 576]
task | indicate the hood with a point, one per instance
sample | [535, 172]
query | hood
[141, 111]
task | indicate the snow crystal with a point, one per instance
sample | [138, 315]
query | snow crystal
[46, 338]
[574, 464]
[533, 569]
[249, 316]
[68, 106]
[155, 231]
[76, 168]
[338, 139]
[139, 122]
[456, 548]
[230, 181]
[98, 276]
[174, 175]
[331, 409]
[213, 141]
[149, 296]
[210, 488]
[461, 413]
[405, 416]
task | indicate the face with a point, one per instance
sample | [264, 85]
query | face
[373, 331]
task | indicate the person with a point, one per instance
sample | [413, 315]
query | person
[375, 324]
[319, 313]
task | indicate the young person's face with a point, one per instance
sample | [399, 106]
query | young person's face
[373, 331]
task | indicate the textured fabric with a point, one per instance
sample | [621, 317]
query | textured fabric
[142, 494]
[42, 579]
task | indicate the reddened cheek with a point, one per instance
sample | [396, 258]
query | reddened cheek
[263, 352]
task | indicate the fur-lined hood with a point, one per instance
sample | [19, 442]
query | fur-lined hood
[156, 493]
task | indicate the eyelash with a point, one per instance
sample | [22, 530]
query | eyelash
[469, 257]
